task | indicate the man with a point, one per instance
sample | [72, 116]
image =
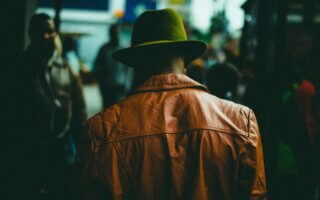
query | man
[114, 78]
[169, 139]
[50, 114]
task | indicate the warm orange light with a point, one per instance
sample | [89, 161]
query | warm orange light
[119, 13]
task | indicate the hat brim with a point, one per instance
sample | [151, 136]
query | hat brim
[131, 56]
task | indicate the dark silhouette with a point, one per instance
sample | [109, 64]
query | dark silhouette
[223, 80]
[114, 78]
[197, 71]
[50, 114]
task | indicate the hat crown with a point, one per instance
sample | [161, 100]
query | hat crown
[158, 25]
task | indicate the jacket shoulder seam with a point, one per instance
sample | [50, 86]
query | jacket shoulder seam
[131, 185]
[138, 135]
[249, 125]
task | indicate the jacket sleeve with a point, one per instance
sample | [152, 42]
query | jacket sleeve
[252, 182]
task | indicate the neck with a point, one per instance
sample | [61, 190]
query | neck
[175, 66]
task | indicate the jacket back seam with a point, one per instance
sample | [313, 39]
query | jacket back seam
[105, 140]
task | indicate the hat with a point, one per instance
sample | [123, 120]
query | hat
[159, 28]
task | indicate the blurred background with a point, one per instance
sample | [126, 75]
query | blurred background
[263, 54]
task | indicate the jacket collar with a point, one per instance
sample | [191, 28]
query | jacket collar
[168, 82]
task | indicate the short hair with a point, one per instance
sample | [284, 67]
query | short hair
[37, 21]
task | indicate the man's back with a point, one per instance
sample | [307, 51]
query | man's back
[172, 140]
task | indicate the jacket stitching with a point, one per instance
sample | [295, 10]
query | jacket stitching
[132, 185]
[122, 161]
[183, 130]
[172, 84]
[249, 125]
[91, 138]
[103, 124]
[167, 87]
[104, 140]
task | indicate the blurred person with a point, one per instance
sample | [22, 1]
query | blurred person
[231, 51]
[113, 77]
[196, 70]
[292, 143]
[170, 138]
[223, 80]
[306, 99]
[281, 141]
[51, 113]
[306, 129]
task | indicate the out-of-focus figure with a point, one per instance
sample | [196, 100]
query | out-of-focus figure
[307, 144]
[223, 80]
[293, 141]
[114, 78]
[231, 51]
[197, 71]
[51, 113]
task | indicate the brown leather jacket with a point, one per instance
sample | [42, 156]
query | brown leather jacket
[171, 139]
